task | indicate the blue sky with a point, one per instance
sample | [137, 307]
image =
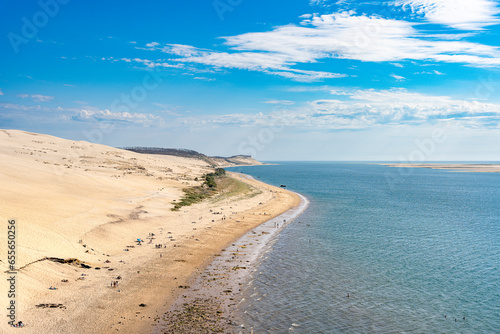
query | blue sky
[400, 80]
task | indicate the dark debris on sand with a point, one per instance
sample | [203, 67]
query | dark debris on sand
[199, 316]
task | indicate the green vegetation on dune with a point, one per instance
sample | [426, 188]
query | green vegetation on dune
[210, 178]
[199, 193]
[232, 187]
[217, 186]
[193, 195]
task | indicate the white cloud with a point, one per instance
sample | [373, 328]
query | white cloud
[318, 3]
[21, 107]
[334, 36]
[1, 93]
[315, 88]
[343, 35]
[169, 110]
[152, 45]
[284, 102]
[458, 14]
[400, 105]
[107, 115]
[306, 76]
[204, 78]
[36, 97]
[398, 77]
[430, 72]
[369, 108]
[269, 63]
[41, 98]
[151, 63]
[81, 114]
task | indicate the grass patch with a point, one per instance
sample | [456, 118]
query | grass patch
[199, 193]
[193, 195]
[217, 186]
[232, 188]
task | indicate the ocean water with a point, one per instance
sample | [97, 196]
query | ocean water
[409, 246]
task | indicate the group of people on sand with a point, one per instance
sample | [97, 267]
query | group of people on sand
[159, 246]
[114, 284]
[19, 324]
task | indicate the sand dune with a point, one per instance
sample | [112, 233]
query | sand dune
[77, 200]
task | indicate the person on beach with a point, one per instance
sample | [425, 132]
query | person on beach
[19, 324]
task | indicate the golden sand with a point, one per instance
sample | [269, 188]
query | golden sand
[481, 168]
[90, 202]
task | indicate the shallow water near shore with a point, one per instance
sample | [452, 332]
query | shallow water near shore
[414, 248]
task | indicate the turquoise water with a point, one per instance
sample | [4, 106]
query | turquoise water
[409, 246]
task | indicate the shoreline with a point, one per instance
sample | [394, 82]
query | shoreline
[461, 167]
[218, 286]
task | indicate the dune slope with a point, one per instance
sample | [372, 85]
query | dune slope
[80, 203]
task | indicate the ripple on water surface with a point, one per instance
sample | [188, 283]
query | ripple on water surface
[408, 253]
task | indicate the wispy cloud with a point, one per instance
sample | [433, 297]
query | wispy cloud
[168, 110]
[22, 107]
[370, 108]
[36, 97]
[1, 93]
[204, 78]
[116, 117]
[458, 14]
[318, 38]
[152, 63]
[430, 72]
[400, 106]
[398, 77]
[284, 102]
[80, 114]
[341, 109]
[272, 63]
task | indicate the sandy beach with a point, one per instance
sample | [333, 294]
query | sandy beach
[482, 168]
[79, 210]
[217, 290]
